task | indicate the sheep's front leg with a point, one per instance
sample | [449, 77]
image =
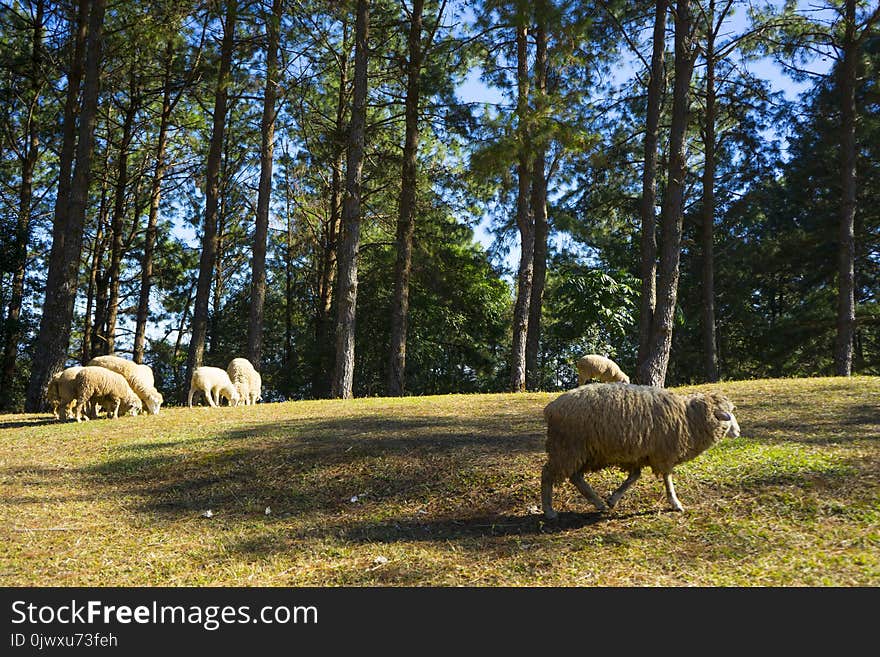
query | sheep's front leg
[578, 480]
[115, 413]
[209, 395]
[616, 495]
[670, 493]
[547, 495]
[189, 399]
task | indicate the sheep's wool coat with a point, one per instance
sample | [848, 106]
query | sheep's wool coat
[105, 387]
[594, 366]
[603, 425]
[139, 377]
[245, 379]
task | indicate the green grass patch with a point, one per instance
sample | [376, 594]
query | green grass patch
[443, 489]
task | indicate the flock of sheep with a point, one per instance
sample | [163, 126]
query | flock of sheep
[589, 428]
[122, 387]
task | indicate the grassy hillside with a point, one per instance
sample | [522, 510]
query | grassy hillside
[436, 491]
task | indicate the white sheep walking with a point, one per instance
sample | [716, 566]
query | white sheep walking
[246, 380]
[100, 386]
[214, 383]
[599, 426]
[594, 366]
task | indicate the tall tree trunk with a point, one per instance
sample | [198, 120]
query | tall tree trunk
[324, 340]
[406, 207]
[93, 328]
[97, 255]
[23, 224]
[98, 336]
[53, 339]
[212, 193]
[673, 202]
[117, 221]
[288, 287]
[846, 314]
[261, 231]
[79, 29]
[523, 216]
[647, 211]
[143, 311]
[346, 285]
[710, 345]
[539, 209]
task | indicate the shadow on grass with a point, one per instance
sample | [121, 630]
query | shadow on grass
[463, 530]
[318, 465]
[22, 424]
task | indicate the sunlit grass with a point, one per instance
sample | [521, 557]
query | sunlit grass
[443, 488]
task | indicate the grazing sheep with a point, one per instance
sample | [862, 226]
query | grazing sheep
[62, 392]
[246, 380]
[594, 366]
[628, 426]
[139, 377]
[100, 386]
[214, 383]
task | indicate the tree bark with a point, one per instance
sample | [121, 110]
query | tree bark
[96, 256]
[673, 203]
[143, 311]
[710, 345]
[53, 339]
[523, 217]
[212, 194]
[539, 210]
[346, 287]
[118, 217]
[406, 207]
[29, 157]
[267, 145]
[647, 211]
[96, 344]
[846, 317]
[79, 30]
[324, 339]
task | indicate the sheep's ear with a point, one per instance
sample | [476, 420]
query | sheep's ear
[724, 416]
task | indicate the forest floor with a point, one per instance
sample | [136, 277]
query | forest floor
[436, 491]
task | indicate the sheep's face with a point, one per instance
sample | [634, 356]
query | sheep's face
[154, 401]
[724, 414]
[231, 395]
[130, 406]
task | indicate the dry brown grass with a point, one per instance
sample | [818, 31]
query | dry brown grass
[445, 488]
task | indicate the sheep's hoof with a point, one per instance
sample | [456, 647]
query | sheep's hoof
[551, 515]
[678, 508]
[611, 502]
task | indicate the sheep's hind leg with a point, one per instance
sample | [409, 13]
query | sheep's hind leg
[670, 493]
[578, 480]
[616, 495]
[547, 495]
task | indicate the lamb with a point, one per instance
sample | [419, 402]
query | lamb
[594, 366]
[214, 383]
[139, 377]
[62, 392]
[99, 385]
[629, 426]
[246, 380]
